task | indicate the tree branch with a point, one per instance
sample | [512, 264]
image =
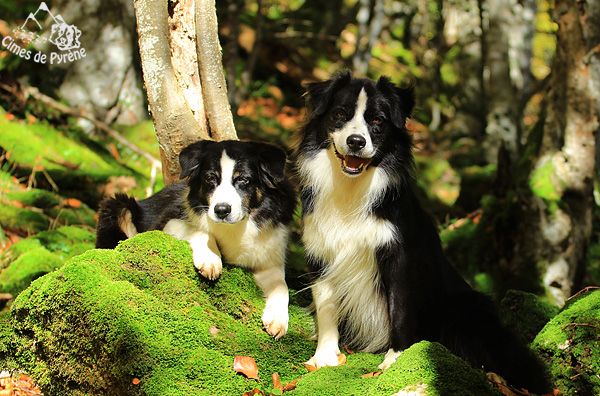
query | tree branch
[214, 87]
[175, 124]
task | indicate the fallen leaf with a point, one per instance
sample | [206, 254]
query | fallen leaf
[290, 385]
[72, 202]
[310, 367]
[254, 391]
[246, 365]
[341, 359]
[277, 381]
[213, 330]
[135, 381]
[347, 349]
[372, 374]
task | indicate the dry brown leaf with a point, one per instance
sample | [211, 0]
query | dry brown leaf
[290, 385]
[72, 202]
[372, 374]
[310, 367]
[253, 392]
[277, 381]
[347, 349]
[246, 365]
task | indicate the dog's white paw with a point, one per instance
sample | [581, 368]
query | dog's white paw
[208, 264]
[389, 359]
[326, 357]
[275, 321]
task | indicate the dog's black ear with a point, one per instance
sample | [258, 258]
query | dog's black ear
[191, 156]
[403, 100]
[271, 160]
[319, 94]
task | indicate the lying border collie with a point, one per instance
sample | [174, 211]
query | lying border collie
[383, 282]
[234, 200]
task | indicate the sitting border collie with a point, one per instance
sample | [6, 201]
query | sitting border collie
[234, 201]
[382, 281]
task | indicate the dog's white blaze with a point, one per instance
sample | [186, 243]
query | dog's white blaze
[341, 231]
[356, 126]
[226, 192]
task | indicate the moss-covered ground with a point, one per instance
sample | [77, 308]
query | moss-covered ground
[141, 311]
[570, 344]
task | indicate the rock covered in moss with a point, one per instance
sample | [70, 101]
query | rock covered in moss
[40, 254]
[570, 344]
[141, 311]
[425, 367]
[525, 313]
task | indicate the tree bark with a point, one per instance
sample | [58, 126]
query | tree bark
[508, 32]
[214, 87]
[178, 107]
[557, 230]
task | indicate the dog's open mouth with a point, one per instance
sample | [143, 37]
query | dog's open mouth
[352, 165]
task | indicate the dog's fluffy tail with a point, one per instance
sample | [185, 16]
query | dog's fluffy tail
[116, 220]
[473, 331]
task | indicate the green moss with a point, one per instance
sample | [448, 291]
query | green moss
[49, 148]
[141, 310]
[543, 182]
[525, 313]
[425, 365]
[35, 256]
[23, 220]
[26, 268]
[569, 343]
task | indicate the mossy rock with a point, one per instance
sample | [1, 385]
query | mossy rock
[525, 313]
[570, 344]
[67, 159]
[141, 311]
[30, 210]
[425, 367]
[38, 255]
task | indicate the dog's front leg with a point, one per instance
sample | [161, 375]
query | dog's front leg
[400, 302]
[327, 327]
[275, 315]
[205, 252]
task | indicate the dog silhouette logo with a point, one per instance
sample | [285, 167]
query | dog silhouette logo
[64, 36]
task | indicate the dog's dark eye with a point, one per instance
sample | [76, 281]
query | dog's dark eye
[376, 121]
[242, 181]
[339, 115]
[210, 178]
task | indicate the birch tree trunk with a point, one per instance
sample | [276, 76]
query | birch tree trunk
[369, 29]
[183, 75]
[508, 32]
[557, 230]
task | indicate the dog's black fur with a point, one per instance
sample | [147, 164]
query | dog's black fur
[426, 298]
[268, 194]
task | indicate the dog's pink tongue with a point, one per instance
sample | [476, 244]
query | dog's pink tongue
[353, 162]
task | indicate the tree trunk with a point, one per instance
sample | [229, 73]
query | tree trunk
[508, 32]
[106, 83]
[187, 102]
[557, 229]
[369, 28]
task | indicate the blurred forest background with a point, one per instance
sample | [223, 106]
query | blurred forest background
[504, 128]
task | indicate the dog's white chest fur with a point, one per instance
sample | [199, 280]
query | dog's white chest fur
[342, 233]
[242, 244]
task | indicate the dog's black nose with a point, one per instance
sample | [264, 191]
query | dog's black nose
[222, 210]
[356, 142]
